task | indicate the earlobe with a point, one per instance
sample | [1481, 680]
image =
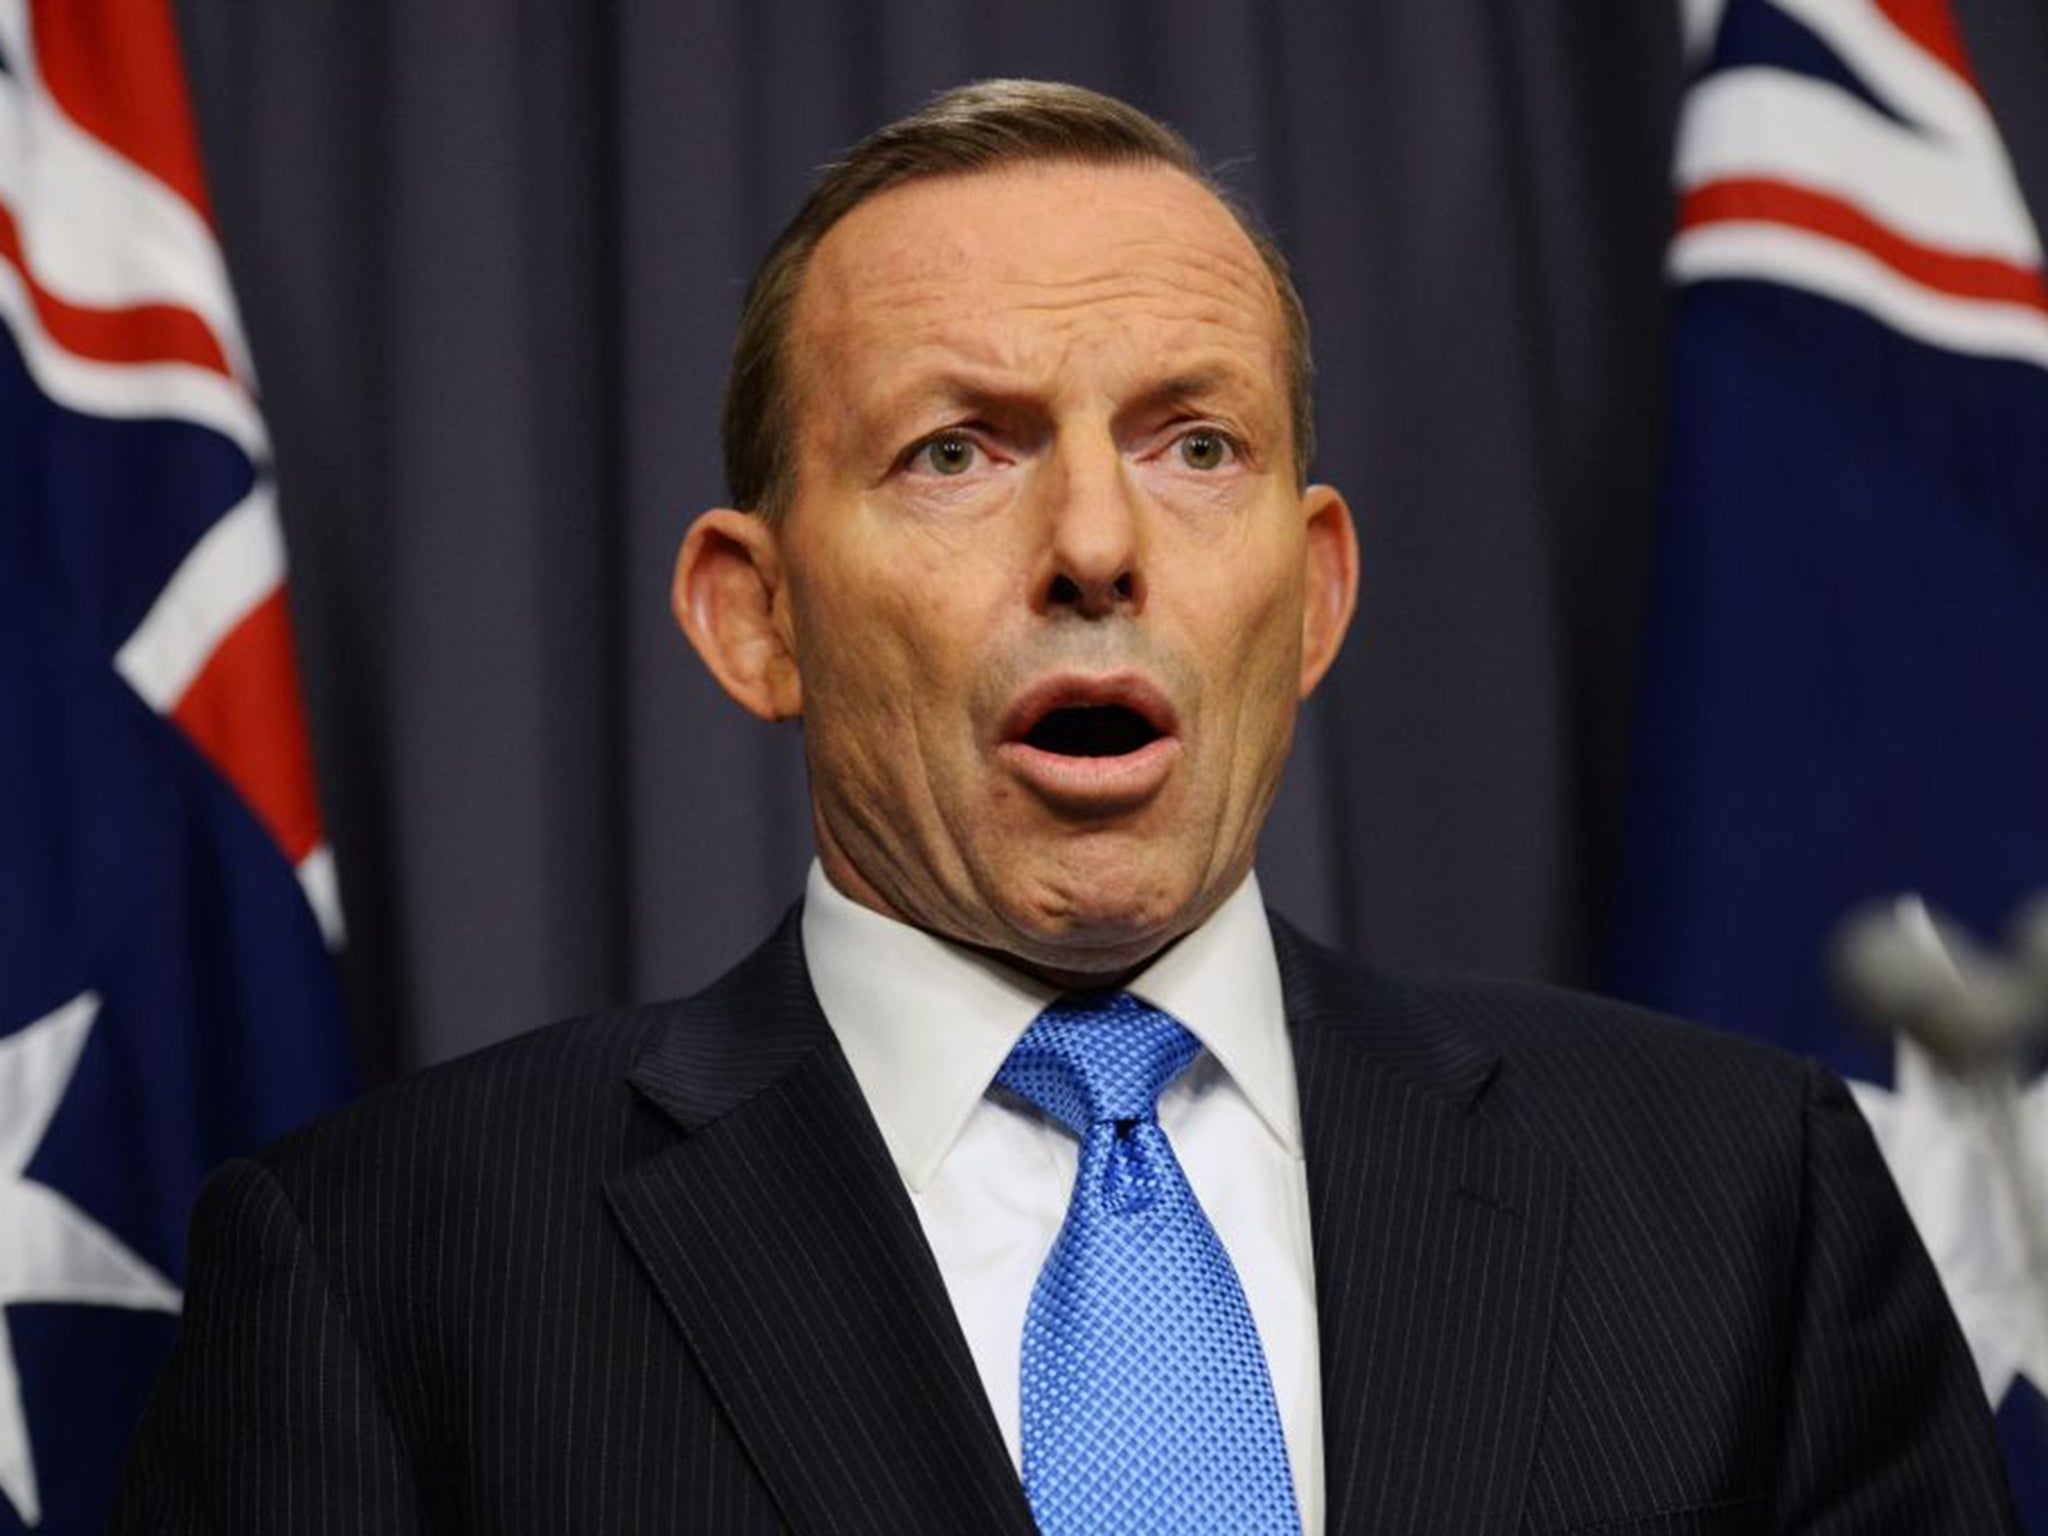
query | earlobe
[728, 597]
[1331, 592]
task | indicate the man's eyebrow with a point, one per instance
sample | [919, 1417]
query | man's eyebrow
[1204, 383]
[951, 391]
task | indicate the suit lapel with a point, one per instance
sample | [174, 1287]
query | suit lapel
[782, 1243]
[1439, 1239]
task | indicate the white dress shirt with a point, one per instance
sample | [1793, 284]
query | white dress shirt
[925, 1024]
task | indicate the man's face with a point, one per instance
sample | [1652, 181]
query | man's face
[1050, 589]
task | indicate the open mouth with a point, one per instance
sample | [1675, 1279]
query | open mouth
[1092, 746]
[1092, 730]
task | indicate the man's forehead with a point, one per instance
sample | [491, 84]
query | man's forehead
[949, 259]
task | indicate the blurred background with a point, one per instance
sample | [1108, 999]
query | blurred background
[488, 256]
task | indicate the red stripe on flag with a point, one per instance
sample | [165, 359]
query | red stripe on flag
[1761, 201]
[244, 713]
[113, 66]
[139, 333]
[1932, 25]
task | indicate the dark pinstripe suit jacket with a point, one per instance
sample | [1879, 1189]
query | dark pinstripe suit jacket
[1578, 1270]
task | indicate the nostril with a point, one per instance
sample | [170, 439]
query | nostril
[1092, 596]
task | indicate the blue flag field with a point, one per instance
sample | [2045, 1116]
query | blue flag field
[168, 995]
[1845, 697]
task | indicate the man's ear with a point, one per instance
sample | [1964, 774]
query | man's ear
[730, 600]
[1331, 593]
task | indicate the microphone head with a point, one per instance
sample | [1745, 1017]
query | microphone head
[1907, 970]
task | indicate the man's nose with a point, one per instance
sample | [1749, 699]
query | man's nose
[1095, 533]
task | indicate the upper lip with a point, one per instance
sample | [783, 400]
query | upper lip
[1130, 690]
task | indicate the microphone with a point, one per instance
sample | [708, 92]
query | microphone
[1981, 1014]
[1905, 969]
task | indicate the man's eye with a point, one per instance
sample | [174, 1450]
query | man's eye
[1202, 449]
[949, 455]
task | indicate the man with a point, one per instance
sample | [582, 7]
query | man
[1030, 1170]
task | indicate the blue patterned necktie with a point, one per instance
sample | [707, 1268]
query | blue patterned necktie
[1146, 1401]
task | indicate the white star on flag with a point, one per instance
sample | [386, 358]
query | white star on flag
[1940, 1135]
[52, 1252]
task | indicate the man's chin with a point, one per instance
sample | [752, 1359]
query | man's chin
[1096, 934]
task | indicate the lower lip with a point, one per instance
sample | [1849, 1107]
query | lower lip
[1097, 785]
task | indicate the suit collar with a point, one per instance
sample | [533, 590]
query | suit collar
[779, 1237]
[1439, 1234]
[1385, 1019]
[721, 1047]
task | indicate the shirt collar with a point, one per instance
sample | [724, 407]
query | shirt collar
[926, 1023]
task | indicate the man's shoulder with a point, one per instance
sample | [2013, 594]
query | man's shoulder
[546, 1081]
[1596, 1071]
[1588, 1029]
[1569, 1065]
[1518, 1017]
[1667, 1133]
[536, 1086]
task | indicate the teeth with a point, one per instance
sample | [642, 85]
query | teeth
[1088, 730]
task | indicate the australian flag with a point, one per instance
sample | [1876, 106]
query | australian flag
[168, 995]
[1846, 667]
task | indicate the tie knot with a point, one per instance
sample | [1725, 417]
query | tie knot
[1095, 1057]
